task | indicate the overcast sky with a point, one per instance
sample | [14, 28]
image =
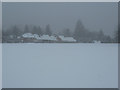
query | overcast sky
[95, 16]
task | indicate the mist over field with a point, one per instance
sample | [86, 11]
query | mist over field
[60, 45]
[0, 22]
[85, 22]
[95, 16]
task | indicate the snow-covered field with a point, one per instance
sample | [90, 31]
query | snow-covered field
[0, 66]
[57, 65]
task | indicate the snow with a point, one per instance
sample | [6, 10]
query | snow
[69, 39]
[95, 41]
[0, 66]
[28, 35]
[47, 37]
[36, 36]
[56, 65]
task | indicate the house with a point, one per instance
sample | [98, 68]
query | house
[95, 41]
[28, 37]
[67, 39]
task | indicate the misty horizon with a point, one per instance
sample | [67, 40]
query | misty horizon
[94, 16]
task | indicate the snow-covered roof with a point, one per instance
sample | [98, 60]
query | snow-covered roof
[69, 39]
[47, 37]
[53, 38]
[36, 36]
[28, 35]
[95, 41]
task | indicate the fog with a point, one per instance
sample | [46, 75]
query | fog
[95, 16]
[0, 15]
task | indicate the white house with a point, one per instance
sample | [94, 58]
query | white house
[54, 38]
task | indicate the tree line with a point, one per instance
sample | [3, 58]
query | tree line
[80, 33]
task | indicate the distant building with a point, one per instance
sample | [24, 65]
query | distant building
[95, 41]
[28, 37]
[67, 39]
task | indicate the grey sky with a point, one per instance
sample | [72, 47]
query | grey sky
[0, 15]
[95, 16]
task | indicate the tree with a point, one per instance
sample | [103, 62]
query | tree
[79, 31]
[48, 30]
[26, 29]
[116, 36]
[67, 32]
[101, 35]
[40, 31]
[37, 30]
[34, 30]
[118, 33]
[16, 31]
[4, 35]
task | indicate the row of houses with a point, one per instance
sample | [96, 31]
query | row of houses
[35, 38]
[29, 37]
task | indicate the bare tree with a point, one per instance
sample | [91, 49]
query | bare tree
[67, 32]
[48, 30]
[26, 29]
[80, 31]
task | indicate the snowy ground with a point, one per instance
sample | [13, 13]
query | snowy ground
[0, 65]
[60, 65]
